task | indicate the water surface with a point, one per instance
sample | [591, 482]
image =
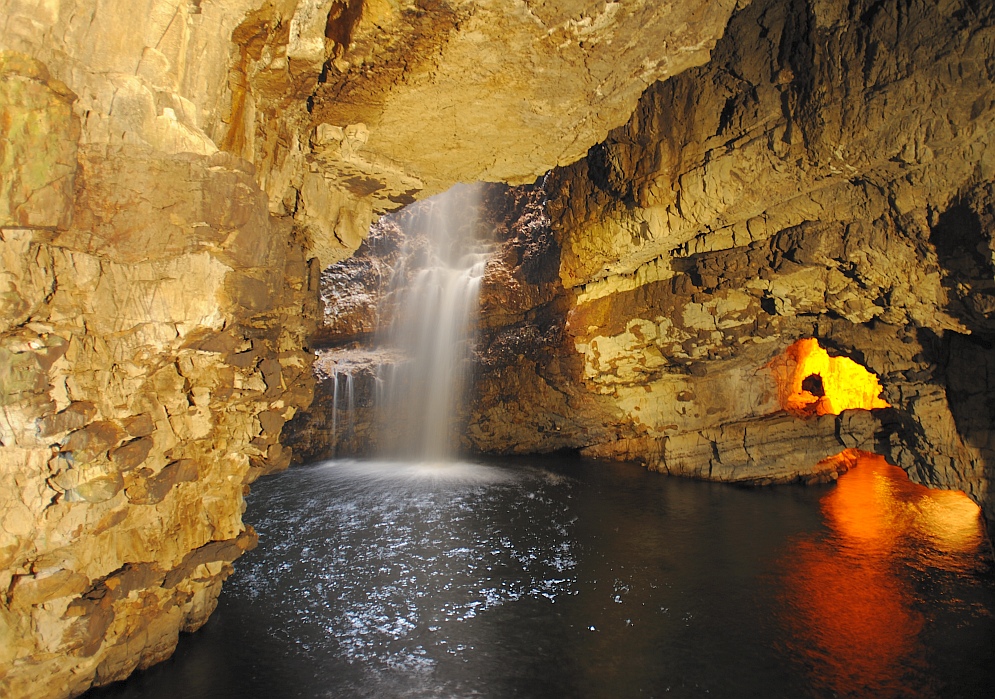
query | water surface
[566, 578]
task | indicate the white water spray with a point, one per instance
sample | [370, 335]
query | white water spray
[435, 293]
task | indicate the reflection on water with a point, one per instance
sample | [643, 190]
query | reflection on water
[567, 578]
[877, 512]
[853, 610]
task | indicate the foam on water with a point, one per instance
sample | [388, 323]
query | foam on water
[403, 474]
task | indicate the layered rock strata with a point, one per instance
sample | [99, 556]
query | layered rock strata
[150, 352]
[352, 109]
[825, 175]
[172, 173]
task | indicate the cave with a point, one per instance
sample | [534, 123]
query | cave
[726, 363]
[811, 382]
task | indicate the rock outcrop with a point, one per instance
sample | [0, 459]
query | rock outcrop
[173, 174]
[825, 175]
[351, 109]
[151, 348]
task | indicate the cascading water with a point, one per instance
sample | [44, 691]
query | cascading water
[350, 403]
[432, 310]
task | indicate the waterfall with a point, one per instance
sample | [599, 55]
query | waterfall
[335, 409]
[350, 404]
[350, 392]
[432, 309]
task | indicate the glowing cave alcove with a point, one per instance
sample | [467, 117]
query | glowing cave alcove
[810, 382]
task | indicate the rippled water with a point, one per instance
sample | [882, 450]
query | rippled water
[572, 579]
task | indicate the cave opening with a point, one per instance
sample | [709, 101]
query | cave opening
[400, 323]
[810, 382]
[166, 205]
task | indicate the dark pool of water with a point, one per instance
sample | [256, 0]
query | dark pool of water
[565, 578]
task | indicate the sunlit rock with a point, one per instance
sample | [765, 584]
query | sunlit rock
[176, 175]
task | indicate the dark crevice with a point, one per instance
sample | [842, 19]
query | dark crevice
[342, 19]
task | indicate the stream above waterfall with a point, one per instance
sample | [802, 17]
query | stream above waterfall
[558, 577]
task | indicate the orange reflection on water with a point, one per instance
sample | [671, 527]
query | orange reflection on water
[850, 604]
[877, 505]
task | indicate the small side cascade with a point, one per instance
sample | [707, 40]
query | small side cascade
[335, 407]
[346, 386]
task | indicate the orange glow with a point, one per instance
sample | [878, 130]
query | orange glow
[849, 604]
[810, 382]
[842, 462]
[876, 504]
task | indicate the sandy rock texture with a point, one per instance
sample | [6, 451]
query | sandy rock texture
[353, 109]
[826, 175]
[150, 350]
[174, 175]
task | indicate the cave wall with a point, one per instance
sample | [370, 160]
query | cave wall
[174, 175]
[826, 174]
[151, 346]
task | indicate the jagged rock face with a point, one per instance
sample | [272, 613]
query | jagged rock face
[471, 56]
[825, 175]
[171, 174]
[352, 109]
[766, 197]
[150, 351]
[806, 111]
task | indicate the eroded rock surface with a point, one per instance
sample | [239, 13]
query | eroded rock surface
[154, 316]
[825, 175]
[172, 174]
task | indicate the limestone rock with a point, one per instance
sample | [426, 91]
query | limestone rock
[334, 114]
[129, 409]
[499, 69]
[38, 151]
[761, 140]
[767, 196]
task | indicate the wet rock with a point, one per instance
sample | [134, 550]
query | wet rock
[734, 214]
